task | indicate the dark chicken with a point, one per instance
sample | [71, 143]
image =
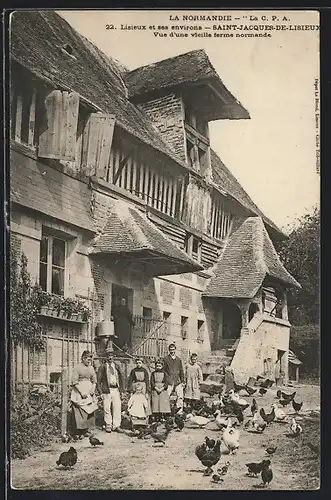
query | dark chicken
[255, 468]
[180, 421]
[267, 417]
[68, 458]
[288, 397]
[95, 441]
[266, 473]
[250, 391]
[262, 391]
[160, 436]
[210, 457]
[296, 406]
[284, 402]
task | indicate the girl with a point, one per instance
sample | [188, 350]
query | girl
[160, 397]
[193, 379]
[137, 408]
[83, 399]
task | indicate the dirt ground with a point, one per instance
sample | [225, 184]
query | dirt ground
[127, 463]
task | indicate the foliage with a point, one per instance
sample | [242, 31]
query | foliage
[35, 421]
[24, 304]
[305, 343]
[300, 255]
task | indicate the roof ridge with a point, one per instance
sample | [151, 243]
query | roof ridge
[167, 59]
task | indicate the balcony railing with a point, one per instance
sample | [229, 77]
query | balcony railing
[149, 337]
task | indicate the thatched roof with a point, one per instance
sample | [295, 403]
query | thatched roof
[128, 232]
[248, 258]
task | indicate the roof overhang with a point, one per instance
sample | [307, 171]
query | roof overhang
[152, 263]
[215, 102]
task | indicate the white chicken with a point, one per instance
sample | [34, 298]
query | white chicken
[280, 414]
[220, 421]
[231, 437]
[295, 428]
[198, 420]
[237, 399]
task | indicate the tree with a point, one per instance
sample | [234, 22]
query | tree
[24, 302]
[300, 255]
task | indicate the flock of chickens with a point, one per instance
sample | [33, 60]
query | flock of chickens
[228, 413]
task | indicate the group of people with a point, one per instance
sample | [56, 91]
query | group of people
[149, 393]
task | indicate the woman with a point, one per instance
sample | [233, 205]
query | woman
[139, 375]
[83, 399]
[160, 397]
[193, 379]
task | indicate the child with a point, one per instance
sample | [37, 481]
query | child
[137, 408]
[193, 379]
[160, 397]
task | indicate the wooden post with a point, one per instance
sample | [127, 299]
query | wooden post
[64, 401]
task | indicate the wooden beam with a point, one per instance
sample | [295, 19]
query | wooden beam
[121, 166]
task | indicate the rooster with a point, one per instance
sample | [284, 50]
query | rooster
[211, 457]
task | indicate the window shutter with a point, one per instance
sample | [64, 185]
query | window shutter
[57, 139]
[97, 141]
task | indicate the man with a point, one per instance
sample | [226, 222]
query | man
[173, 368]
[110, 384]
[123, 324]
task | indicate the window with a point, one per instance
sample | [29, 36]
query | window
[147, 312]
[55, 381]
[166, 317]
[183, 326]
[193, 247]
[23, 113]
[52, 264]
[200, 330]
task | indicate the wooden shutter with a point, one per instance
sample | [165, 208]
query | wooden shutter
[57, 137]
[97, 141]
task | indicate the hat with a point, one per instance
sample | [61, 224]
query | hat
[108, 351]
[87, 354]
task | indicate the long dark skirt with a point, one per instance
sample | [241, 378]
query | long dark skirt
[82, 421]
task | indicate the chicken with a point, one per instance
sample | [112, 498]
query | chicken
[66, 438]
[223, 470]
[68, 458]
[210, 442]
[126, 422]
[288, 397]
[95, 441]
[216, 478]
[200, 450]
[160, 435]
[268, 417]
[262, 391]
[231, 437]
[266, 474]
[280, 414]
[220, 421]
[239, 414]
[254, 468]
[250, 391]
[238, 387]
[296, 406]
[285, 402]
[295, 428]
[198, 420]
[254, 407]
[258, 427]
[265, 384]
[271, 450]
[180, 421]
[211, 457]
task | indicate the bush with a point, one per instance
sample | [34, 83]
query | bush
[305, 343]
[35, 421]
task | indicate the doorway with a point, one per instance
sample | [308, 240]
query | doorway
[232, 321]
[119, 292]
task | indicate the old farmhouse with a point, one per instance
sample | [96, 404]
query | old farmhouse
[117, 193]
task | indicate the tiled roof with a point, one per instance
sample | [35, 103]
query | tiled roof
[37, 38]
[42, 188]
[248, 257]
[128, 231]
[224, 179]
[193, 66]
